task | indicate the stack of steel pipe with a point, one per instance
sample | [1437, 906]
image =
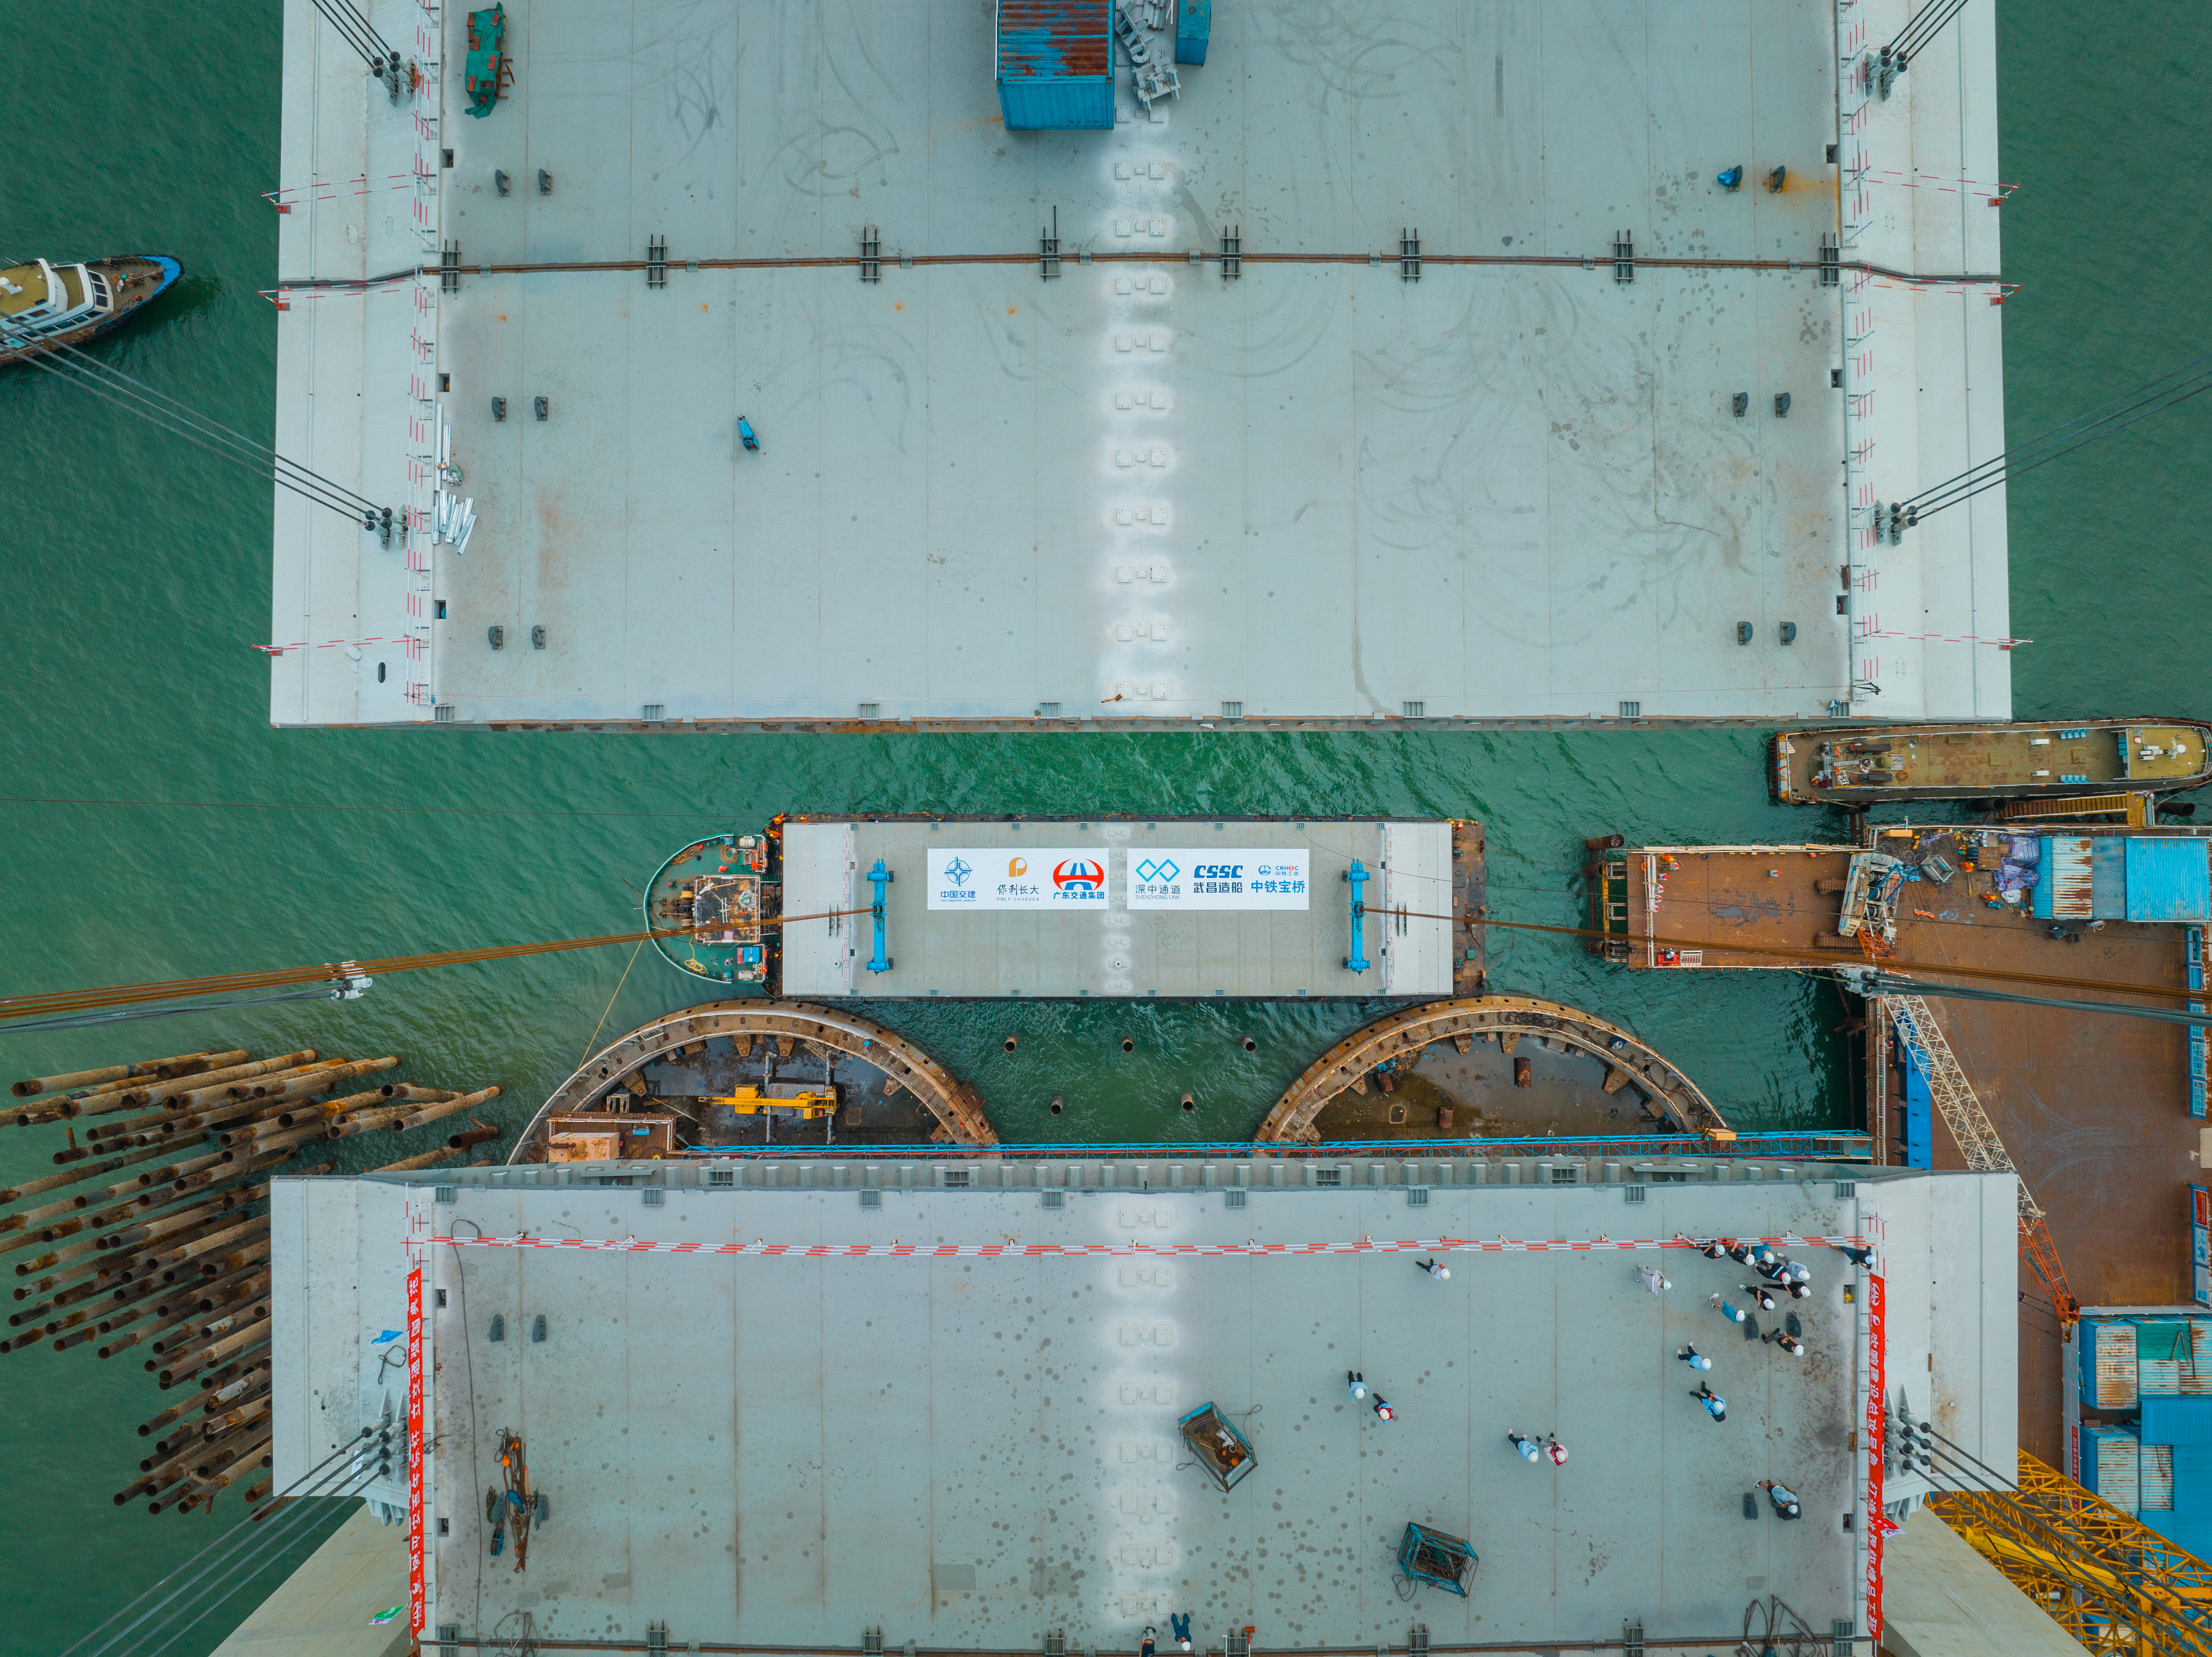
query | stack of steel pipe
[153, 1239]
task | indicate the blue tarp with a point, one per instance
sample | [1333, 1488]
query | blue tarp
[2168, 880]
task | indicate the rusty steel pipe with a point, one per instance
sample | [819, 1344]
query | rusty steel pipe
[175, 1171]
[193, 1248]
[211, 1293]
[236, 1197]
[244, 1317]
[363, 1122]
[185, 1367]
[239, 1416]
[234, 1067]
[210, 1483]
[248, 1082]
[409, 1091]
[33, 1085]
[219, 1450]
[324, 1109]
[220, 1385]
[408, 1164]
[286, 1143]
[461, 1141]
[145, 1482]
[430, 1113]
[135, 1095]
[74, 1177]
[152, 1329]
[212, 1426]
[245, 1255]
[274, 1090]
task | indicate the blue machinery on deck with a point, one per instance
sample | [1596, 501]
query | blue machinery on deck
[879, 877]
[1440, 1561]
[1357, 874]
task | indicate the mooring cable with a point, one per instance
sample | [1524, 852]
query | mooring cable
[342, 1451]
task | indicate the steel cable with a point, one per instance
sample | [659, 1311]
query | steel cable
[2166, 391]
[355, 514]
[1923, 27]
[342, 1452]
[180, 417]
[355, 32]
[123, 994]
[301, 1522]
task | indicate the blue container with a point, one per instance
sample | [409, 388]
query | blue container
[1193, 23]
[1054, 65]
[2168, 880]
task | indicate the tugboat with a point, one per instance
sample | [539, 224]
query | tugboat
[1854, 765]
[44, 305]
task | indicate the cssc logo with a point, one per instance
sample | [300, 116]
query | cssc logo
[1218, 872]
[1163, 870]
[1080, 876]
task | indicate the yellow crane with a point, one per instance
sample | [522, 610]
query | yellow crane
[751, 1101]
[2112, 1582]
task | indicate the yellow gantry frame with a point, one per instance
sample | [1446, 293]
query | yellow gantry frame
[2112, 1582]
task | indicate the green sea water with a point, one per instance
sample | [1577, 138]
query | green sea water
[134, 578]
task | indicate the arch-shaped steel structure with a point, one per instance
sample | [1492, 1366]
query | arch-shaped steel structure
[956, 1106]
[1504, 1019]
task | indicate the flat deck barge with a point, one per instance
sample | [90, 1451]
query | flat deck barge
[1250, 404]
[2102, 1114]
[1864, 765]
[1175, 907]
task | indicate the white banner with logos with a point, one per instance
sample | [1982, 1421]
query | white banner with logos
[1214, 877]
[1070, 878]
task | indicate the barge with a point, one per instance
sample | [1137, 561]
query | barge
[824, 909]
[2102, 1113]
[1858, 766]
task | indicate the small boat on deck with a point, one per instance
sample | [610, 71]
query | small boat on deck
[43, 305]
[1858, 766]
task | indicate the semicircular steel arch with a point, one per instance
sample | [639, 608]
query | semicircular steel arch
[1463, 1021]
[957, 1105]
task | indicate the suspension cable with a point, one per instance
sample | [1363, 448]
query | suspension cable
[254, 1560]
[342, 1451]
[2166, 391]
[357, 32]
[205, 423]
[111, 385]
[1923, 27]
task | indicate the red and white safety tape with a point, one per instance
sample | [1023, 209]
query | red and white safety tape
[898, 1250]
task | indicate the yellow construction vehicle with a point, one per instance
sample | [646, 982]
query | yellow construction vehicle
[751, 1101]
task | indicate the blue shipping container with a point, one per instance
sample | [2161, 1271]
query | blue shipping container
[1055, 64]
[1193, 23]
[1916, 1126]
[2178, 1421]
[2168, 880]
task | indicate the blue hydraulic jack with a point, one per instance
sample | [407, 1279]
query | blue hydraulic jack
[1357, 874]
[879, 877]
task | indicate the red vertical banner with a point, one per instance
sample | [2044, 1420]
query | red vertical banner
[418, 1608]
[1877, 1520]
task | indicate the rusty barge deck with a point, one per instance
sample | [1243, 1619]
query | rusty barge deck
[2102, 1115]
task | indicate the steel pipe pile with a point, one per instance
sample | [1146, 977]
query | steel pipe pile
[153, 1239]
